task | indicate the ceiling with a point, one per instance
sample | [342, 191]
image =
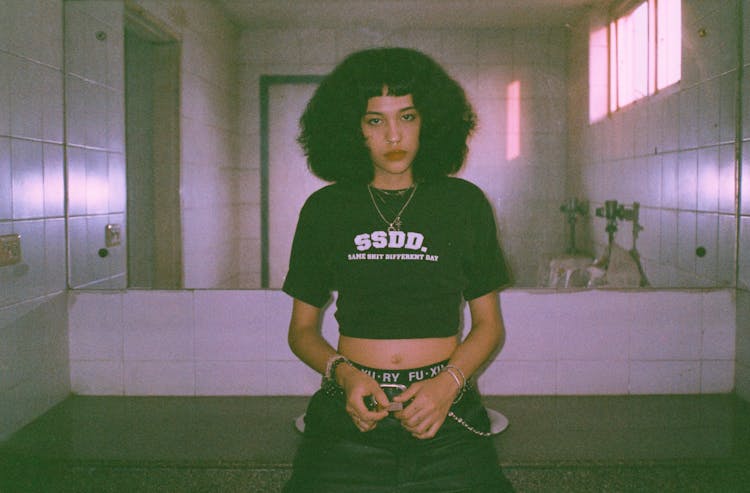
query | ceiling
[396, 14]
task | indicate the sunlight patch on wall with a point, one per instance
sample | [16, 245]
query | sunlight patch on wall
[513, 135]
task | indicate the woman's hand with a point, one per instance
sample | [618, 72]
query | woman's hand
[432, 399]
[358, 386]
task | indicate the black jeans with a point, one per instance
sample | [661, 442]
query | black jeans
[335, 457]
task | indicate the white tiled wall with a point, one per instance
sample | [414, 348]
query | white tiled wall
[234, 343]
[95, 143]
[672, 152]
[34, 372]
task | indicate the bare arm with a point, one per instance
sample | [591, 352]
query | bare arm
[304, 337]
[433, 398]
[310, 346]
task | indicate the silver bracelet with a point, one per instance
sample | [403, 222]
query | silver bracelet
[452, 372]
[463, 377]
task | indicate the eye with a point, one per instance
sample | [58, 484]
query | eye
[374, 121]
[409, 117]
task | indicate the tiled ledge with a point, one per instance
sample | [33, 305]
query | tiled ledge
[605, 342]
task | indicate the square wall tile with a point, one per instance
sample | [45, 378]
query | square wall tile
[55, 251]
[530, 333]
[518, 378]
[719, 325]
[709, 112]
[24, 35]
[594, 325]
[159, 378]
[291, 378]
[592, 377]
[688, 114]
[96, 328]
[726, 178]
[687, 174]
[159, 326]
[27, 164]
[665, 377]
[717, 376]
[727, 106]
[666, 326]
[708, 179]
[54, 182]
[686, 238]
[669, 180]
[707, 239]
[230, 326]
[230, 378]
[96, 377]
[80, 260]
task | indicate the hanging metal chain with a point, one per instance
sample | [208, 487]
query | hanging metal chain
[466, 425]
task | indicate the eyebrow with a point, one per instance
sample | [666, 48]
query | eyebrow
[408, 108]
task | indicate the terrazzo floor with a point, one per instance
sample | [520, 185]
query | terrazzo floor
[227, 444]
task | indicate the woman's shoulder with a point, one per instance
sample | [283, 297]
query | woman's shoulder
[456, 185]
[331, 195]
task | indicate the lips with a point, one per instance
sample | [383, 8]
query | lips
[395, 155]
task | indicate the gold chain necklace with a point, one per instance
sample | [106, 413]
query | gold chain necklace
[394, 225]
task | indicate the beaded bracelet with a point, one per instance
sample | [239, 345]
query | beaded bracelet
[331, 365]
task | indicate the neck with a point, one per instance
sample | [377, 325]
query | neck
[392, 182]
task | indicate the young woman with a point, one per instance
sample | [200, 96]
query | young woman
[402, 243]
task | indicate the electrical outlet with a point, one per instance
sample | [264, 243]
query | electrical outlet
[10, 249]
[112, 235]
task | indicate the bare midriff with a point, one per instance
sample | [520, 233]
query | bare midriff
[397, 354]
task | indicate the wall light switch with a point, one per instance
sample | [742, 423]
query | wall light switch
[112, 235]
[10, 249]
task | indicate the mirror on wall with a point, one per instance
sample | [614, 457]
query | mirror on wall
[201, 179]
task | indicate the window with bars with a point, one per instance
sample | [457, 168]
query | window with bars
[637, 54]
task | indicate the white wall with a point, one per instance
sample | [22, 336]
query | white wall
[34, 373]
[95, 141]
[234, 343]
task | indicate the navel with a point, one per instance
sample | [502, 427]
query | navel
[396, 359]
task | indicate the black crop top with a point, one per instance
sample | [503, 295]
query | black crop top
[396, 285]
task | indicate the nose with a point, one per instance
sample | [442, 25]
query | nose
[393, 134]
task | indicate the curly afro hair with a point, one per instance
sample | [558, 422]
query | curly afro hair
[331, 136]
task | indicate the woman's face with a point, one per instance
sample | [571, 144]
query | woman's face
[391, 126]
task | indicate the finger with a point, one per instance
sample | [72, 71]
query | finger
[356, 406]
[407, 394]
[428, 431]
[380, 397]
[362, 424]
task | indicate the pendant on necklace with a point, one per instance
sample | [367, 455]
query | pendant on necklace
[395, 225]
